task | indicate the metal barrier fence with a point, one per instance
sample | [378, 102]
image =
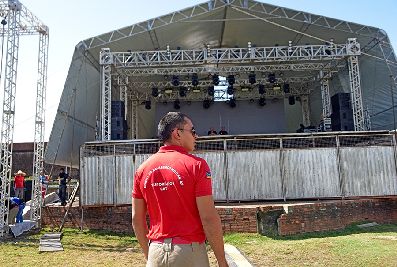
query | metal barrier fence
[256, 167]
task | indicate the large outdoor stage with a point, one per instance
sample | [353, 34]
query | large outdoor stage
[268, 218]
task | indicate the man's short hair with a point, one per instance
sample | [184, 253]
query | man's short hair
[168, 123]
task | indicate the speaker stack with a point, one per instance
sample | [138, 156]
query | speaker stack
[119, 126]
[342, 113]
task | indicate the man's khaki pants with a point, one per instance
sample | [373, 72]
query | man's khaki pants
[177, 255]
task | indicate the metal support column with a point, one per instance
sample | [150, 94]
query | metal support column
[38, 158]
[7, 127]
[325, 97]
[122, 83]
[355, 87]
[105, 59]
[134, 119]
[305, 109]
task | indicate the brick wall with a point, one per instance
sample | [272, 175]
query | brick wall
[272, 219]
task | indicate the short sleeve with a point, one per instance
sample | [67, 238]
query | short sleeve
[203, 179]
[136, 189]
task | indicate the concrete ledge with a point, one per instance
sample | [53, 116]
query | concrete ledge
[235, 258]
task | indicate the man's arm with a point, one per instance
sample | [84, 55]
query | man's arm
[212, 227]
[139, 224]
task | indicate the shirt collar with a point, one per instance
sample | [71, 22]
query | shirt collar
[169, 148]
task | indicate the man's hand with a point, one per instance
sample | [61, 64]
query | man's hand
[139, 224]
[212, 227]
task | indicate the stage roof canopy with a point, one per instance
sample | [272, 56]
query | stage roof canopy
[220, 24]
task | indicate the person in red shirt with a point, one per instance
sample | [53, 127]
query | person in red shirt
[19, 184]
[175, 189]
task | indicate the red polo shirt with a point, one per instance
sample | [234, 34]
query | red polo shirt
[19, 181]
[169, 182]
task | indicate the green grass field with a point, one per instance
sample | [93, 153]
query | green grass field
[375, 246]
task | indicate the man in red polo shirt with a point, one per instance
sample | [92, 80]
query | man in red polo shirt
[19, 184]
[174, 188]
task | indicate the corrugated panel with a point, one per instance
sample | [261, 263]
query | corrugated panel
[216, 162]
[254, 175]
[368, 171]
[105, 180]
[124, 179]
[311, 173]
[89, 184]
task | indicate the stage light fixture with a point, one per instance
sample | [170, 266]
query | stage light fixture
[148, 104]
[230, 90]
[262, 101]
[232, 103]
[206, 104]
[155, 92]
[211, 91]
[175, 80]
[195, 80]
[252, 78]
[291, 100]
[196, 90]
[177, 104]
[271, 78]
[231, 80]
[244, 89]
[182, 91]
[215, 79]
[168, 91]
[276, 86]
[261, 89]
[286, 88]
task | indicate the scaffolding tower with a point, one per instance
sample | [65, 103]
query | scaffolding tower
[18, 20]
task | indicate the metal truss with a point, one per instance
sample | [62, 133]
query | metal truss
[266, 11]
[38, 161]
[105, 61]
[355, 87]
[325, 96]
[226, 69]
[28, 24]
[7, 128]
[122, 82]
[305, 110]
[249, 55]
[21, 22]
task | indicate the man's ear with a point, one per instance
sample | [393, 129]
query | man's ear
[175, 134]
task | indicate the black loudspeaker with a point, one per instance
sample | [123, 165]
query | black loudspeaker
[118, 109]
[342, 113]
[119, 128]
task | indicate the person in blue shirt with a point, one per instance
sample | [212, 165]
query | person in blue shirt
[14, 201]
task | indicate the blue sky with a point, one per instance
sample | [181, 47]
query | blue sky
[71, 21]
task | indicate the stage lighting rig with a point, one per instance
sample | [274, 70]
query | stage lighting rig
[195, 80]
[276, 86]
[232, 102]
[215, 79]
[271, 78]
[155, 92]
[262, 101]
[175, 80]
[261, 89]
[177, 104]
[206, 104]
[286, 88]
[231, 80]
[211, 91]
[230, 90]
[252, 78]
[291, 100]
[182, 91]
[148, 104]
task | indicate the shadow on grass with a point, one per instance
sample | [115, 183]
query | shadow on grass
[350, 230]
